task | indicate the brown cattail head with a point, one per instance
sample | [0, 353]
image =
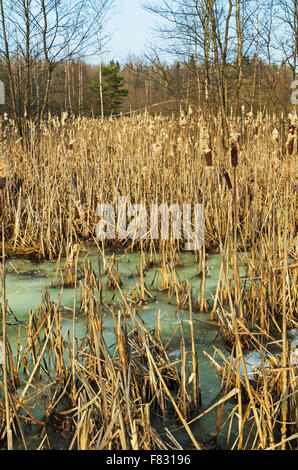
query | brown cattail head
[292, 122]
[208, 156]
[292, 129]
[77, 214]
[234, 142]
[234, 154]
[227, 178]
[290, 144]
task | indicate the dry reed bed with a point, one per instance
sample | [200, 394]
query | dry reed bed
[250, 204]
[54, 189]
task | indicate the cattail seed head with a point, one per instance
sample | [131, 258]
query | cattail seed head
[234, 155]
[234, 150]
[227, 178]
[290, 144]
[292, 129]
[208, 156]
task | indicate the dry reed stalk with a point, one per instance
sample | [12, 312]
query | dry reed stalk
[195, 371]
[284, 408]
[3, 181]
[76, 254]
[234, 163]
[188, 430]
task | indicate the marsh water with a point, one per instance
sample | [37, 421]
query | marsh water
[26, 282]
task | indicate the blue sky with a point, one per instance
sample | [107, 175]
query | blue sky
[131, 30]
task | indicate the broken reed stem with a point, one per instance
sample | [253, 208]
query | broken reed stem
[239, 354]
[237, 288]
[5, 375]
[187, 428]
[193, 350]
[75, 263]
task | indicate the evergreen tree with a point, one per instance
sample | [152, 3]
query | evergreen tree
[113, 92]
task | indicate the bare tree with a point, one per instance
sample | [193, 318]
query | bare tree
[44, 34]
[287, 14]
[216, 32]
[100, 14]
[8, 64]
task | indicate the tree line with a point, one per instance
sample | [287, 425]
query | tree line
[221, 55]
[157, 86]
